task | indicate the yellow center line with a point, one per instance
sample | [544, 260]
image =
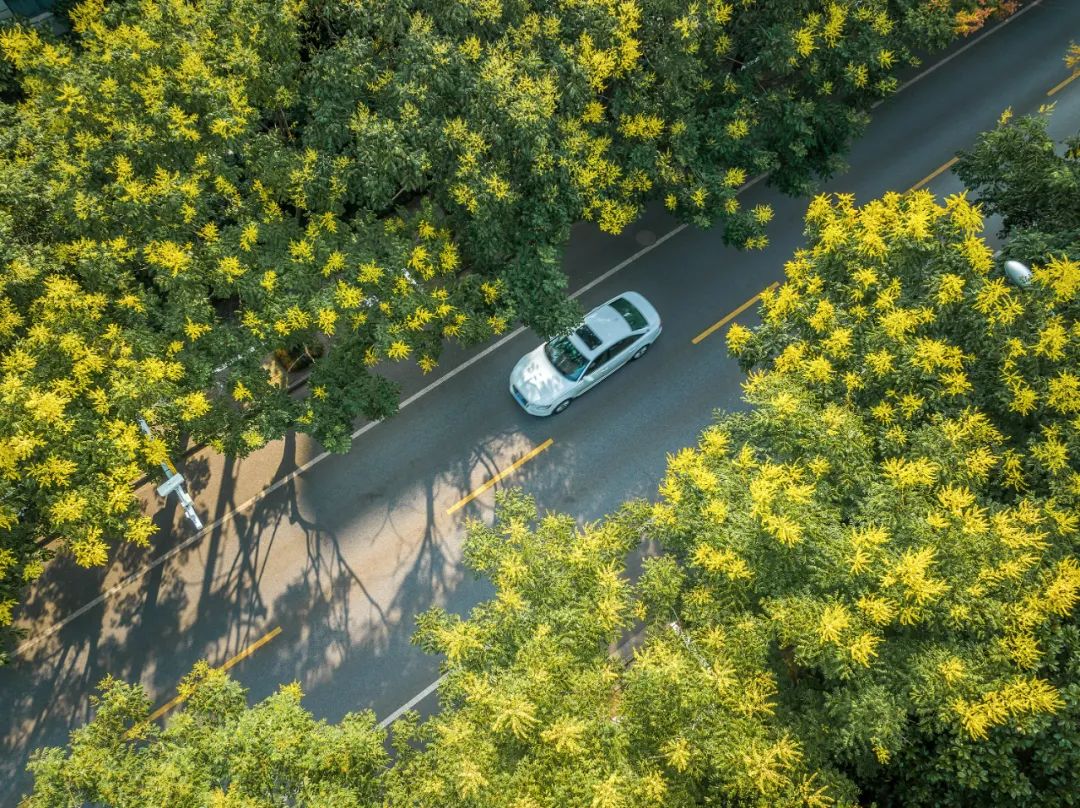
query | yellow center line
[1061, 84]
[720, 324]
[927, 179]
[508, 470]
[251, 649]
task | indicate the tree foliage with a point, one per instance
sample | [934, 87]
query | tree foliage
[215, 752]
[1017, 172]
[163, 234]
[188, 188]
[926, 411]
[866, 585]
[538, 711]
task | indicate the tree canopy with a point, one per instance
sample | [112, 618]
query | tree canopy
[865, 587]
[1017, 172]
[216, 752]
[938, 635]
[188, 188]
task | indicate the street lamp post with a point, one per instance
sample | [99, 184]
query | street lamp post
[174, 481]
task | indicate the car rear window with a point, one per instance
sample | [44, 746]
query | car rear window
[634, 318]
[588, 336]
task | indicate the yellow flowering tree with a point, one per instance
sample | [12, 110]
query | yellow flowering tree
[164, 233]
[911, 606]
[538, 708]
[902, 504]
[219, 182]
[520, 119]
[899, 309]
[218, 751]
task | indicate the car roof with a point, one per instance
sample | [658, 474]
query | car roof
[608, 324]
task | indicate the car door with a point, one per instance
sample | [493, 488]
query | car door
[607, 362]
[622, 350]
[598, 368]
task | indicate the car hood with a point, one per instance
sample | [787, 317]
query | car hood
[537, 379]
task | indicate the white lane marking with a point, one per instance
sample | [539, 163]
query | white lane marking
[112, 590]
[623, 264]
[404, 708]
[956, 53]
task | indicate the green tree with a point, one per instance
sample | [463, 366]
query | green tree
[164, 233]
[217, 751]
[866, 585]
[191, 188]
[1016, 171]
[537, 711]
[928, 619]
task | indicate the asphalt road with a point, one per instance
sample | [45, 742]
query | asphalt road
[319, 581]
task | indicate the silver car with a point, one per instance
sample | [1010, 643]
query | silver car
[546, 380]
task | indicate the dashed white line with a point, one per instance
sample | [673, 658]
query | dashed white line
[404, 708]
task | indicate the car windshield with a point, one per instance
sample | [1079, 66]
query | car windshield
[634, 318]
[565, 357]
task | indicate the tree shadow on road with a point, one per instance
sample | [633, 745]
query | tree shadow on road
[378, 550]
[350, 614]
[139, 633]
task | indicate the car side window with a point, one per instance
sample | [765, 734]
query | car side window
[616, 349]
[600, 361]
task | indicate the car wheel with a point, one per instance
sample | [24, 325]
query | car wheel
[640, 352]
[561, 406]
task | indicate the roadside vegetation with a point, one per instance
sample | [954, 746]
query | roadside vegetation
[862, 590]
[188, 190]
